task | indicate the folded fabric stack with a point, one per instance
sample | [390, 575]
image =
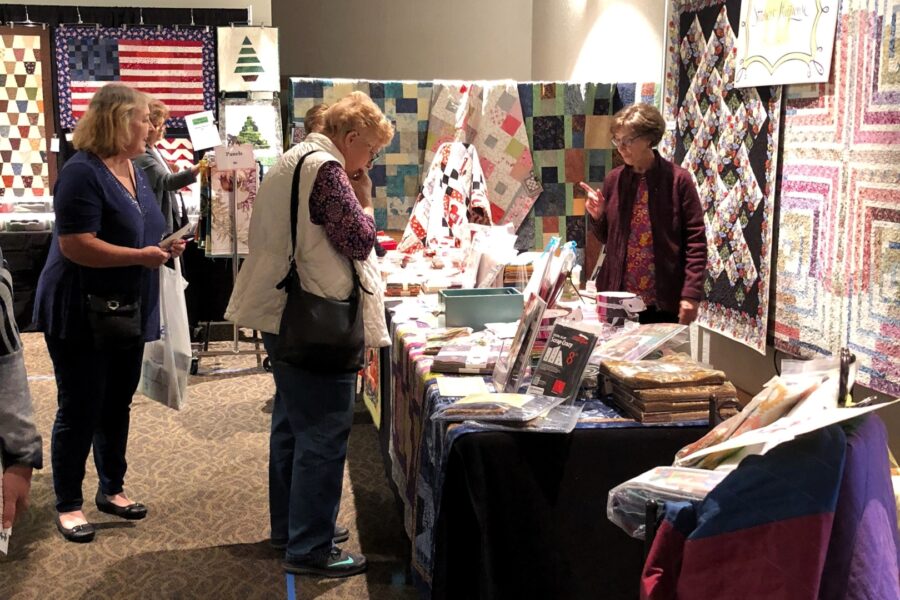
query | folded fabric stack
[468, 356]
[517, 276]
[672, 389]
[395, 290]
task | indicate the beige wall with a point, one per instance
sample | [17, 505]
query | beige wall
[597, 40]
[405, 39]
[262, 9]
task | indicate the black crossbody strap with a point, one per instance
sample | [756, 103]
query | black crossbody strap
[295, 201]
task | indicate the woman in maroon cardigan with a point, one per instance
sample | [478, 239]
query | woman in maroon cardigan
[649, 217]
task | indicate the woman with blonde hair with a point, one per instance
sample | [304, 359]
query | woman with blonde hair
[97, 302]
[313, 408]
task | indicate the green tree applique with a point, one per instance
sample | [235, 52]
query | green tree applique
[248, 65]
[249, 134]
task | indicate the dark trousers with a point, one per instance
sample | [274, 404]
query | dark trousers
[311, 420]
[94, 390]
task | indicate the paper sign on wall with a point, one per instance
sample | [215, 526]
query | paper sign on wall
[785, 42]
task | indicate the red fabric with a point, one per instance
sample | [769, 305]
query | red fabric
[663, 564]
[640, 273]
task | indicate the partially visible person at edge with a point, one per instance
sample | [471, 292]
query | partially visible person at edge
[163, 181]
[20, 443]
[313, 412]
[106, 245]
[649, 217]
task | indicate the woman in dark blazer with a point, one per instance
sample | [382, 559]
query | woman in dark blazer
[163, 181]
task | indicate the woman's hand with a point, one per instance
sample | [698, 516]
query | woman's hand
[362, 187]
[594, 203]
[177, 247]
[153, 257]
[687, 311]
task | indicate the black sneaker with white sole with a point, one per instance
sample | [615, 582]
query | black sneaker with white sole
[337, 563]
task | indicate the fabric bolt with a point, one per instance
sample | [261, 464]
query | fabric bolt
[397, 175]
[248, 59]
[727, 138]
[26, 114]
[838, 236]
[256, 122]
[176, 66]
[639, 267]
[453, 195]
[489, 116]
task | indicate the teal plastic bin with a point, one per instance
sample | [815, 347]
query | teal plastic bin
[475, 307]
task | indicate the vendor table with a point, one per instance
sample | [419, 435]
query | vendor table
[498, 514]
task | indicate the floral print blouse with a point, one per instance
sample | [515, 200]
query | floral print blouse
[333, 205]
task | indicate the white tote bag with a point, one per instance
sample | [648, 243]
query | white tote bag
[167, 361]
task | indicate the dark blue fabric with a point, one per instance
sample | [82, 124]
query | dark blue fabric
[94, 391]
[89, 199]
[311, 420]
[796, 479]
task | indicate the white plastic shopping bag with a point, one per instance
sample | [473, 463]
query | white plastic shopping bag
[167, 361]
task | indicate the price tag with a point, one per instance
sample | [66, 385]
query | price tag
[54, 144]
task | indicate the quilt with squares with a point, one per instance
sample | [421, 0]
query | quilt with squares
[727, 138]
[838, 266]
[177, 66]
[26, 114]
[568, 129]
[489, 116]
[396, 176]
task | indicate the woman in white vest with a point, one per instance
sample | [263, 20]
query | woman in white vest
[312, 412]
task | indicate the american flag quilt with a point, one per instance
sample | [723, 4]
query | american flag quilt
[175, 66]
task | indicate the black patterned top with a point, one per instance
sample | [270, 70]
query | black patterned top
[333, 205]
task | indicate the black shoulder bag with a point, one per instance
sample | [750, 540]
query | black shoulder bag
[318, 334]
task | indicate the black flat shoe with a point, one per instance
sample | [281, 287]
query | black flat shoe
[80, 534]
[134, 511]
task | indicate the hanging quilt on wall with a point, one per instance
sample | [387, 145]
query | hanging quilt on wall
[489, 116]
[838, 269]
[568, 129]
[395, 177]
[26, 115]
[175, 66]
[256, 122]
[248, 59]
[727, 138]
[179, 153]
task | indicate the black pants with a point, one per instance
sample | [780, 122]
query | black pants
[654, 315]
[94, 390]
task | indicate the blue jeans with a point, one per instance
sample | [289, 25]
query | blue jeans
[311, 419]
[94, 390]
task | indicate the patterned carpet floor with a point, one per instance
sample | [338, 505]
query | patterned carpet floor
[202, 472]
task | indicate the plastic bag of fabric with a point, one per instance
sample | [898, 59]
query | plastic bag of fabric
[167, 361]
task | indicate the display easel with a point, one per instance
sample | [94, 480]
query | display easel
[235, 259]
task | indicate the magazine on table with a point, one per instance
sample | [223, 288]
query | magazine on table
[560, 370]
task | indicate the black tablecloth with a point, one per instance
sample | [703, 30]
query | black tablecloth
[523, 515]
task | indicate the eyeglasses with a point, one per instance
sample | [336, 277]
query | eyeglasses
[376, 156]
[620, 143]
